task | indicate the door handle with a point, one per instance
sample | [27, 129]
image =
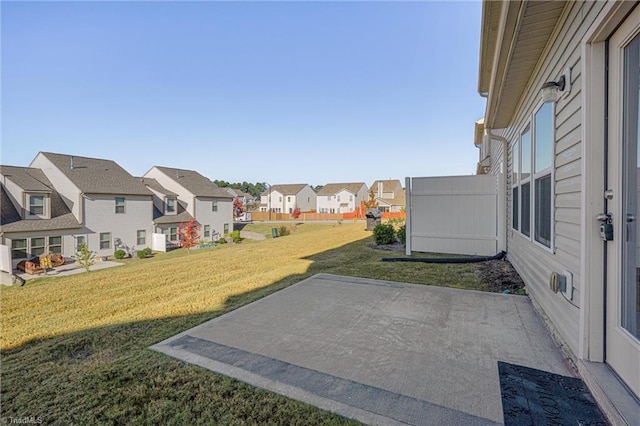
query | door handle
[631, 218]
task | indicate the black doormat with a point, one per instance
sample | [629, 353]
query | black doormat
[536, 397]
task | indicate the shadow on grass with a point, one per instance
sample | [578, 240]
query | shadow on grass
[108, 374]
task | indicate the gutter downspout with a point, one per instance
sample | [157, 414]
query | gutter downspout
[502, 189]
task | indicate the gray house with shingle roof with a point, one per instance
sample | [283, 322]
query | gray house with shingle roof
[34, 219]
[198, 198]
[341, 197]
[114, 208]
[287, 197]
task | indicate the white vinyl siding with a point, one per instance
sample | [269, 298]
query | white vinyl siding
[533, 261]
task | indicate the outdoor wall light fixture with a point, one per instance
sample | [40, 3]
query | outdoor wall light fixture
[552, 90]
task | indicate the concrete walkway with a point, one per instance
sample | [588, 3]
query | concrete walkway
[377, 351]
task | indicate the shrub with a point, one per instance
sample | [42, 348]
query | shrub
[236, 236]
[222, 241]
[283, 230]
[144, 253]
[384, 234]
[119, 254]
[402, 234]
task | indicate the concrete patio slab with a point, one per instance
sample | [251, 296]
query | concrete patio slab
[377, 351]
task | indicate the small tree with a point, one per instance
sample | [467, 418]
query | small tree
[189, 234]
[296, 213]
[85, 257]
[371, 203]
[238, 208]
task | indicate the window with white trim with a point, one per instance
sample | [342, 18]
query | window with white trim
[120, 205]
[532, 178]
[36, 205]
[214, 206]
[19, 248]
[543, 165]
[141, 237]
[55, 244]
[171, 205]
[207, 231]
[105, 240]
[515, 186]
[37, 246]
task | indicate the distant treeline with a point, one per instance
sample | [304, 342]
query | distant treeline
[255, 189]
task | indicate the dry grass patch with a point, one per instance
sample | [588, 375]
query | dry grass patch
[74, 349]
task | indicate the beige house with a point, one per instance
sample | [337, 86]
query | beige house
[389, 194]
[197, 197]
[561, 123]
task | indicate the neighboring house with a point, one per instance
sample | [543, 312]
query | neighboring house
[245, 198]
[113, 207]
[341, 197]
[198, 198]
[168, 211]
[395, 204]
[561, 81]
[389, 195]
[34, 219]
[286, 198]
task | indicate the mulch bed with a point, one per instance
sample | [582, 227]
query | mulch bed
[499, 275]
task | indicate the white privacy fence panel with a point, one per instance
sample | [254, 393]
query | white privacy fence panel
[159, 242]
[453, 214]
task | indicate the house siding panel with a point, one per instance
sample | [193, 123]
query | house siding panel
[206, 216]
[100, 217]
[532, 261]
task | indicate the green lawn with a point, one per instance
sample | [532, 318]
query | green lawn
[74, 349]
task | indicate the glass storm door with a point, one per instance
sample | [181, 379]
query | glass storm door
[623, 253]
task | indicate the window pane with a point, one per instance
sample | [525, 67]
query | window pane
[525, 207]
[105, 240]
[226, 228]
[214, 206]
[36, 204]
[19, 249]
[171, 205]
[207, 231]
[515, 205]
[544, 137]
[525, 165]
[515, 164]
[119, 204]
[543, 210]
[37, 246]
[141, 237]
[55, 244]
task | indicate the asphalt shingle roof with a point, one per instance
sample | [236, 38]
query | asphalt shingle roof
[287, 189]
[387, 185]
[61, 216]
[28, 178]
[334, 188]
[97, 176]
[194, 182]
[155, 185]
[181, 215]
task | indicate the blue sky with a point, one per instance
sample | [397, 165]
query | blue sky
[282, 92]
